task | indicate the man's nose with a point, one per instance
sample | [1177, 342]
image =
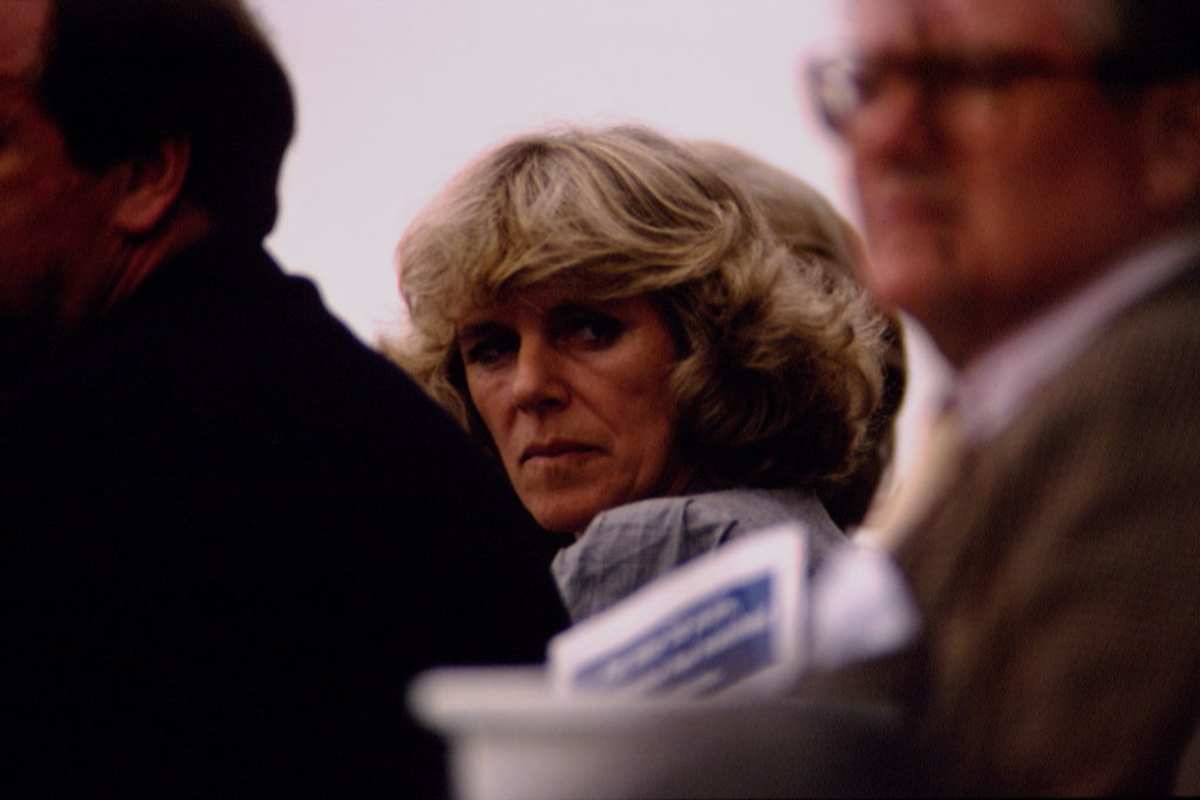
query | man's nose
[896, 123]
[537, 381]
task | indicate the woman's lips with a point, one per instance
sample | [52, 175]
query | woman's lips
[556, 449]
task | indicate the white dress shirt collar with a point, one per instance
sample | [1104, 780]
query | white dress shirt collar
[995, 387]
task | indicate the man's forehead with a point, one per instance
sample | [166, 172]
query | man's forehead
[22, 27]
[1043, 25]
[894, 22]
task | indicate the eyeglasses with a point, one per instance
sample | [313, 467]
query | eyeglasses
[842, 87]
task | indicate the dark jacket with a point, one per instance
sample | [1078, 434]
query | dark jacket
[232, 533]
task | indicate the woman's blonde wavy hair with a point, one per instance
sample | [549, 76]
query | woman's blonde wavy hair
[781, 360]
[808, 224]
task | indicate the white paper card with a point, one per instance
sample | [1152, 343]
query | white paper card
[730, 620]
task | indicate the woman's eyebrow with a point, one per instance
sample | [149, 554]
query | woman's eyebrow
[476, 330]
[569, 308]
[566, 307]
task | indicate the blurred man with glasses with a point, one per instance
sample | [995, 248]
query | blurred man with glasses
[1029, 178]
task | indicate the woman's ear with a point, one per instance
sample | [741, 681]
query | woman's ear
[151, 186]
[1171, 131]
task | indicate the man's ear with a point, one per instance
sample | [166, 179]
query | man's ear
[1171, 130]
[151, 186]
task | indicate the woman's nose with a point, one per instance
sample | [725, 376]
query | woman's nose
[537, 382]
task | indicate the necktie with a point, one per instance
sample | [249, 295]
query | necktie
[934, 471]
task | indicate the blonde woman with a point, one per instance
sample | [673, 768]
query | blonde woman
[656, 371]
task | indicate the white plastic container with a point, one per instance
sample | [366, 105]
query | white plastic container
[511, 738]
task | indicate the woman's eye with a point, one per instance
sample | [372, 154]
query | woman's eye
[489, 350]
[593, 330]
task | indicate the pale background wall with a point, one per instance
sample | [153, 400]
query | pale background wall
[396, 95]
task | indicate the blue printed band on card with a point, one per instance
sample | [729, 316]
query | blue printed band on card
[705, 646]
[730, 619]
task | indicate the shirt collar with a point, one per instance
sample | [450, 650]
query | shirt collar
[994, 387]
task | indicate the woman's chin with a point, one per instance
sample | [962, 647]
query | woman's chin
[564, 516]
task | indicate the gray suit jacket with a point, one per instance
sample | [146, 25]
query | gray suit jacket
[1060, 579]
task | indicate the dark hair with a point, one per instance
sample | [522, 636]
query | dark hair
[120, 77]
[1155, 40]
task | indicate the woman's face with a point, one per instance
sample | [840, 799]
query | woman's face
[576, 397]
